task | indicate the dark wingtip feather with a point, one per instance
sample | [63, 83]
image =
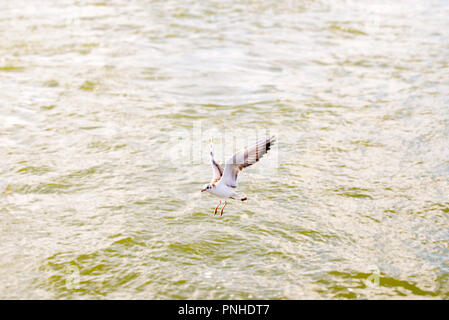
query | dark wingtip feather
[270, 142]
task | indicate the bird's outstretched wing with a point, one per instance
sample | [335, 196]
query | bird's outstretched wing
[217, 170]
[245, 158]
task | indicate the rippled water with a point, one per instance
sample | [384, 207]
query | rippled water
[106, 111]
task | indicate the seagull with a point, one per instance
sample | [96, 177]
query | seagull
[224, 182]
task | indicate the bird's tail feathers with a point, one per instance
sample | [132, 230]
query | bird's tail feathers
[239, 197]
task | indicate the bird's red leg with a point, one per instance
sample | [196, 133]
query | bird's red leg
[216, 208]
[221, 212]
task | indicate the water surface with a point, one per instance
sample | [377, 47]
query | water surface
[106, 111]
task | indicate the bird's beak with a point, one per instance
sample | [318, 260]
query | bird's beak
[202, 190]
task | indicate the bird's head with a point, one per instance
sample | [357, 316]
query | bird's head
[206, 187]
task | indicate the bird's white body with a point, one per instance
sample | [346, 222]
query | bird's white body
[222, 191]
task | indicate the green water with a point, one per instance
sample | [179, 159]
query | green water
[107, 109]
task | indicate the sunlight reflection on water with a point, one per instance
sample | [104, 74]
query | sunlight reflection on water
[107, 109]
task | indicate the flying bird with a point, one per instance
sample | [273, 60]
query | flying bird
[224, 181]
